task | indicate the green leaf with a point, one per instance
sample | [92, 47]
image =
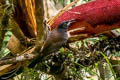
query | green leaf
[110, 65]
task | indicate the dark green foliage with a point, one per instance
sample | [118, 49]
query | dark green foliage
[28, 74]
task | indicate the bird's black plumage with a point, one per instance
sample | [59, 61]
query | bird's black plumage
[55, 40]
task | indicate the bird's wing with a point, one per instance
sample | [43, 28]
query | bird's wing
[52, 39]
[53, 47]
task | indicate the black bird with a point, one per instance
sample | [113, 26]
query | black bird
[55, 40]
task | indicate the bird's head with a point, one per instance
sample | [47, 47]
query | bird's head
[65, 24]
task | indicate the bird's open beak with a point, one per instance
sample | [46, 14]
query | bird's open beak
[71, 21]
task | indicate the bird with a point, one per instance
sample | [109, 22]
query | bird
[55, 40]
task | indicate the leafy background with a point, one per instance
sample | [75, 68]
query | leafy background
[77, 69]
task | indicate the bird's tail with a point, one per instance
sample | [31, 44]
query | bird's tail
[38, 59]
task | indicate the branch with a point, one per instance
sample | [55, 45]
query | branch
[26, 55]
[17, 59]
[39, 19]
